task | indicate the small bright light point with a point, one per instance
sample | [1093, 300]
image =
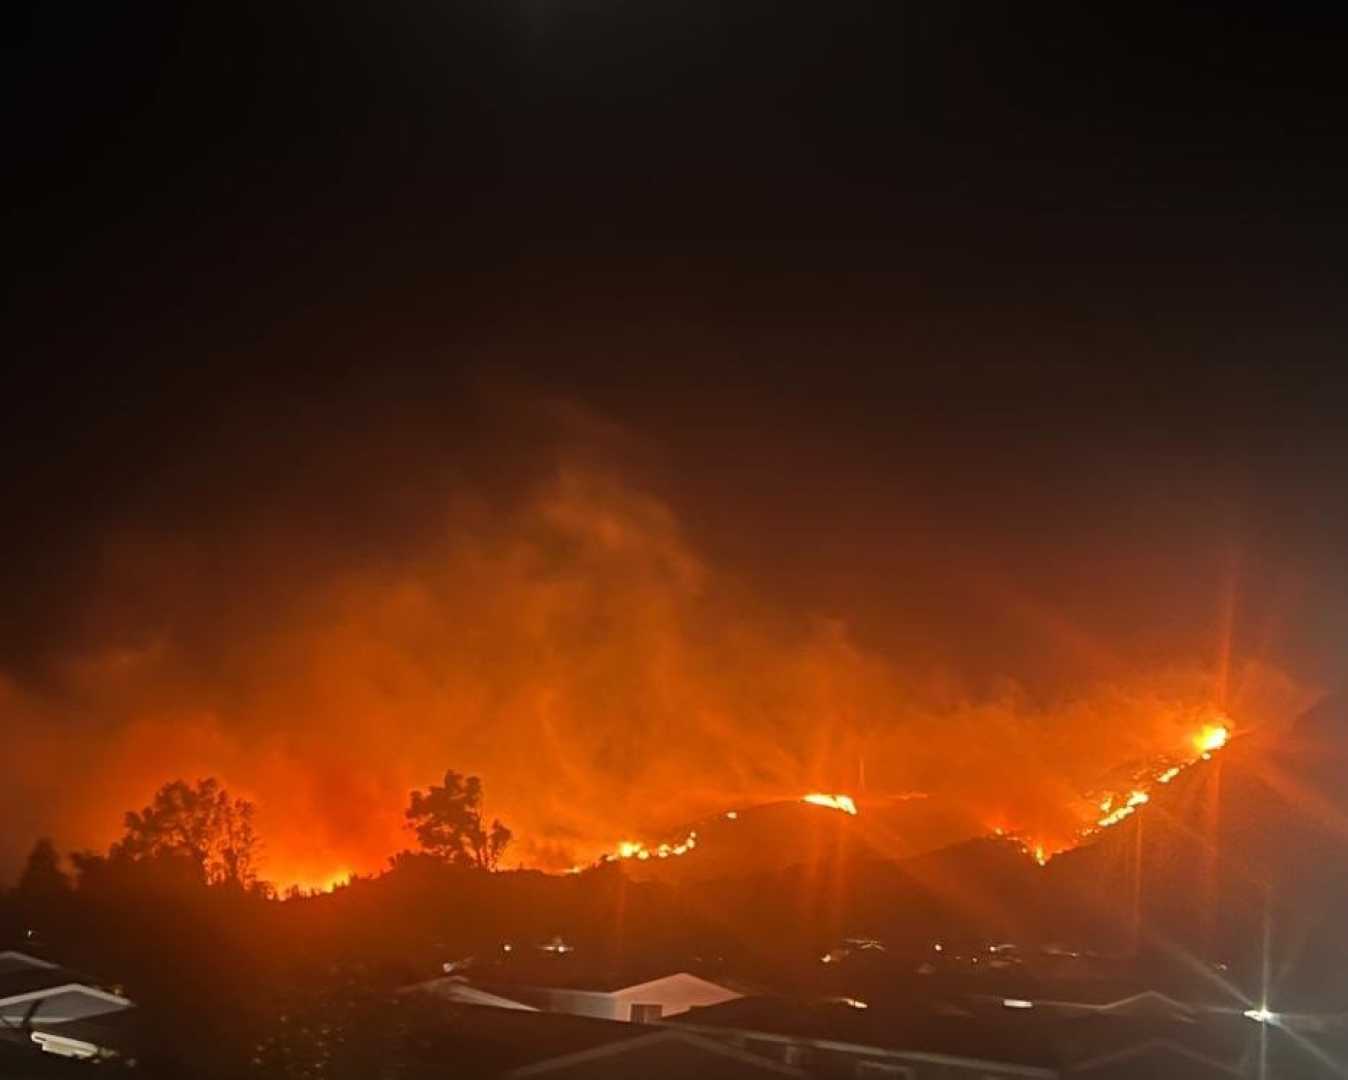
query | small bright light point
[1017, 1003]
[1260, 1015]
[938, 947]
[506, 947]
[827, 958]
[732, 815]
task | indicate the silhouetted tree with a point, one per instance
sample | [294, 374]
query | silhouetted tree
[447, 819]
[203, 823]
[42, 875]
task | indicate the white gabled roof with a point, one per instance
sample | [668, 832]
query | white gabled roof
[680, 976]
[78, 1001]
[12, 960]
[1149, 997]
[457, 988]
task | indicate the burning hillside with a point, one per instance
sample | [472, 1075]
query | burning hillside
[577, 651]
[778, 834]
[1128, 789]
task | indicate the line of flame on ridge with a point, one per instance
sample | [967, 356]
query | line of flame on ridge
[635, 849]
[1210, 739]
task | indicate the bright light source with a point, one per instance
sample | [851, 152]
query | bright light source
[1017, 1003]
[731, 814]
[938, 947]
[1260, 1015]
[1212, 737]
[506, 947]
[833, 802]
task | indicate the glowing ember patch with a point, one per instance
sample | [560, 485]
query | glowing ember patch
[1168, 775]
[833, 802]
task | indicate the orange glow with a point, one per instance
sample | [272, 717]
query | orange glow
[1036, 850]
[833, 802]
[328, 883]
[600, 672]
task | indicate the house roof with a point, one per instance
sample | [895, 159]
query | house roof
[28, 980]
[11, 961]
[21, 1059]
[117, 1030]
[1106, 1037]
[21, 973]
[61, 1003]
[664, 1042]
[489, 1041]
[1153, 1048]
[459, 989]
[913, 1030]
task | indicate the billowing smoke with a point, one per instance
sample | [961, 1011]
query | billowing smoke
[566, 640]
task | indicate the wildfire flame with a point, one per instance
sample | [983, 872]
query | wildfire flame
[833, 802]
[1207, 741]
[1115, 808]
[1212, 737]
[635, 849]
[1114, 814]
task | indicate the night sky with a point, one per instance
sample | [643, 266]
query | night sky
[655, 406]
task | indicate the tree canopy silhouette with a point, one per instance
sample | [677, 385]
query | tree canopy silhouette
[42, 874]
[202, 823]
[448, 821]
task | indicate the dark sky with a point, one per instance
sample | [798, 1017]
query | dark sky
[1008, 338]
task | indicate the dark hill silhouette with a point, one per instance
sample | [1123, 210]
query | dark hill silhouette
[1259, 831]
[774, 837]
